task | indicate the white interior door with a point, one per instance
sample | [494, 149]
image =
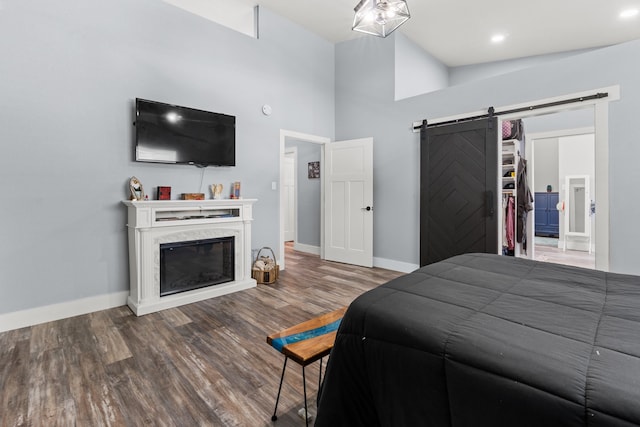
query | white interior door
[289, 200]
[348, 177]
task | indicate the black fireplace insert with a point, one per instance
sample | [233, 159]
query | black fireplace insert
[185, 266]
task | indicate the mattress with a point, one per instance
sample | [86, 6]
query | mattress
[488, 340]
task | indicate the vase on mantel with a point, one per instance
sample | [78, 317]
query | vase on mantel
[216, 190]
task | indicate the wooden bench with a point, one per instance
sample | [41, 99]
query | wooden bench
[305, 343]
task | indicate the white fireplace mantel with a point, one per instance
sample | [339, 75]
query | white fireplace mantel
[152, 223]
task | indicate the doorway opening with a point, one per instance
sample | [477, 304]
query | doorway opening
[600, 113]
[301, 197]
[559, 156]
[595, 100]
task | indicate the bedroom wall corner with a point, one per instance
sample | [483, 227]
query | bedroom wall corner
[416, 71]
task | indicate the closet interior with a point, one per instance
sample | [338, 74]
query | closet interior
[516, 198]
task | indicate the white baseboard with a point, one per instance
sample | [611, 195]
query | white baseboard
[49, 313]
[313, 250]
[390, 264]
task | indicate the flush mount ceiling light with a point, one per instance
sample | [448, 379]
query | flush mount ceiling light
[379, 17]
[629, 13]
[498, 38]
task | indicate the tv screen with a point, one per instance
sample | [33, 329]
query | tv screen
[168, 133]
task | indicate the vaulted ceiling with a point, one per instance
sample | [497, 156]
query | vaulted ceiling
[459, 32]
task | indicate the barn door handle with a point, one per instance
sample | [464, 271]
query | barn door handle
[489, 203]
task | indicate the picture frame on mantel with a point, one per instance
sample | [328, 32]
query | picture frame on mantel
[164, 193]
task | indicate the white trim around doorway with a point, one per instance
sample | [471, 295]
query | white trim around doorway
[289, 134]
[601, 125]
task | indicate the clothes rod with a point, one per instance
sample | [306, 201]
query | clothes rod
[492, 113]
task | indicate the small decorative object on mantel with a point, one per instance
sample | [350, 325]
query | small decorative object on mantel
[164, 193]
[216, 190]
[235, 190]
[192, 196]
[135, 189]
[265, 269]
[314, 170]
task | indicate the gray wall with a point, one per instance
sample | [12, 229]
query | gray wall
[570, 119]
[416, 71]
[546, 165]
[307, 193]
[469, 73]
[365, 108]
[69, 74]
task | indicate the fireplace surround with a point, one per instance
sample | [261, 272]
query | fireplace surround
[154, 225]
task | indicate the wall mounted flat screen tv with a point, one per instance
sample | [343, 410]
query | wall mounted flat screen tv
[168, 133]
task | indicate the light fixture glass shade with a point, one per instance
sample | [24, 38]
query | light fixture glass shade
[379, 17]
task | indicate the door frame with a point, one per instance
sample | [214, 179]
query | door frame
[600, 109]
[601, 176]
[530, 153]
[299, 136]
[601, 130]
[292, 152]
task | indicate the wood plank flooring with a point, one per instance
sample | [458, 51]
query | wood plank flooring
[569, 257]
[204, 364]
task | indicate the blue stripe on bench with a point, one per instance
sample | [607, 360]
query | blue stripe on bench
[279, 343]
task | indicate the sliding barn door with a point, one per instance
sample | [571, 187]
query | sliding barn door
[458, 186]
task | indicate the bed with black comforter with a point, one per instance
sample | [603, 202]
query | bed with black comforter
[487, 340]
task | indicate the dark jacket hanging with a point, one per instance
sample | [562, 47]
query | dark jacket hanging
[524, 203]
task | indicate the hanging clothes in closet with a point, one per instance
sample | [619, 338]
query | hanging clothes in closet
[508, 224]
[525, 200]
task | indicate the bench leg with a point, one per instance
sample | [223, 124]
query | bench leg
[304, 388]
[274, 416]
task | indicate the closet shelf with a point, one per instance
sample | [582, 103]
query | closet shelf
[511, 151]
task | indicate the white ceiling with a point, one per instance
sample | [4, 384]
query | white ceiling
[458, 32]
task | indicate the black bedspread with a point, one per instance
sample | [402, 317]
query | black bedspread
[486, 340]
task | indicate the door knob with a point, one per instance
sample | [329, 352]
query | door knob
[368, 208]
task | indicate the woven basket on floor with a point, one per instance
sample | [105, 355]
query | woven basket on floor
[265, 271]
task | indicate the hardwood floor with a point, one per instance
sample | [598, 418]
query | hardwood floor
[546, 249]
[204, 364]
[568, 257]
